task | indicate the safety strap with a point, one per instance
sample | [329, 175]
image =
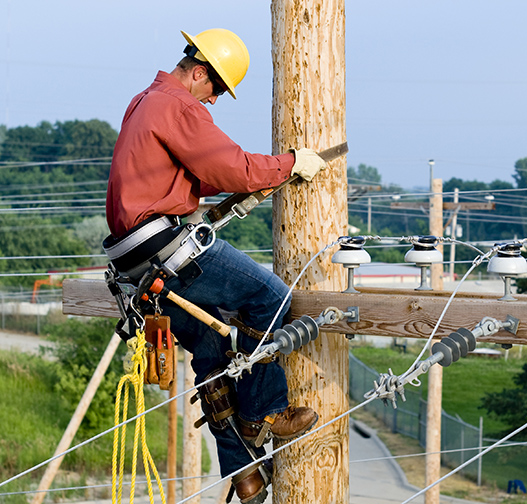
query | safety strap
[251, 332]
[263, 427]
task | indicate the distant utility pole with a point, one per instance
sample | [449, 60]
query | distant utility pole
[435, 374]
[309, 110]
[454, 236]
[369, 215]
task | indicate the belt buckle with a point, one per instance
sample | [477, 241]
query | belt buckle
[193, 236]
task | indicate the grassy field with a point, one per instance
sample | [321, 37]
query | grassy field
[464, 384]
[33, 423]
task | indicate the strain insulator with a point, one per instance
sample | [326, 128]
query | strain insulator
[455, 345]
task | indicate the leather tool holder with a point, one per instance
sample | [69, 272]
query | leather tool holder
[160, 352]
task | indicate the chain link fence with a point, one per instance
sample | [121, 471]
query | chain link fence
[460, 441]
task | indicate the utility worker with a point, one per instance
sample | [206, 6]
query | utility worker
[169, 154]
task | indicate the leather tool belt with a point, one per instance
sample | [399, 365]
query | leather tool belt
[160, 239]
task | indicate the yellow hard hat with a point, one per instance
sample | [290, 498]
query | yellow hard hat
[224, 51]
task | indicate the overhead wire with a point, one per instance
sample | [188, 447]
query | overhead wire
[107, 431]
[262, 340]
[12, 187]
[209, 476]
[72, 162]
[476, 262]
[280, 448]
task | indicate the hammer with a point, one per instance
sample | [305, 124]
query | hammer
[152, 282]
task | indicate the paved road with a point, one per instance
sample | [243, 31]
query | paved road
[21, 342]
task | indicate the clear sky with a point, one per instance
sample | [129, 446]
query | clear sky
[425, 79]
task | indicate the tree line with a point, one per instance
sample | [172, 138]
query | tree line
[53, 180]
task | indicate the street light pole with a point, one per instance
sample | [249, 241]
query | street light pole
[431, 163]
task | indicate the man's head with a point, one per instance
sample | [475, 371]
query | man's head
[222, 53]
[200, 79]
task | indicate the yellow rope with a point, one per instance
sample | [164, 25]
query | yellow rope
[134, 376]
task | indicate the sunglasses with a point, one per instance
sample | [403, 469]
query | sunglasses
[218, 88]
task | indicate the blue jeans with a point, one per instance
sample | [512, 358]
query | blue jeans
[234, 282]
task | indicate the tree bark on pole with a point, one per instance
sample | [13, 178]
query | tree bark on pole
[309, 110]
[435, 375]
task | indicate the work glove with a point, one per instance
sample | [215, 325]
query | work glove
[307, 163]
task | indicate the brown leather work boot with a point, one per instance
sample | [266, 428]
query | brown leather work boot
[291, 423]
[250, 486]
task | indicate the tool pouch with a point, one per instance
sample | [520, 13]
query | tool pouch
[160, 354]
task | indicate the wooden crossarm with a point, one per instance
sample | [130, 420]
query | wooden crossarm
[383, 312]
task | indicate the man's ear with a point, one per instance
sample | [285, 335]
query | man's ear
[199, 72]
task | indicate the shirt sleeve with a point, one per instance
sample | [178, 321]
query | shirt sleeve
[207, 190]
[210, 155]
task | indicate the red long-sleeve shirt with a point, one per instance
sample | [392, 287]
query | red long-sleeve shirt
[170, 153]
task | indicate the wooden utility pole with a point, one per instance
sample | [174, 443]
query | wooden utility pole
[369, 215]
[191, 439]
[435, 375]
[453, 235]
[172, 436]
[309, 111]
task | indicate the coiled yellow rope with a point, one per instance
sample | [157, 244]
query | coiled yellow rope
[135, 369]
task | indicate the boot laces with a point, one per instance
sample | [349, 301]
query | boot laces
[288, 412]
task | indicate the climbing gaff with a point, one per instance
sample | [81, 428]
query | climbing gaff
[446, 351]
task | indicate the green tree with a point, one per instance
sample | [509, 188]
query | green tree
[3, 132]
[252, 233]
[38, 237]
[42, 198]
[92, 231]
[47, 143]
[485, 226]
[364, 174]
[509, 405]
[520, 177]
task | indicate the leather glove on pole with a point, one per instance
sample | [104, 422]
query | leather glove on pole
[307, 163]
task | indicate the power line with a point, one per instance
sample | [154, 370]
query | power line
[77, 162]
[427, 194]
[36, 195]
[51, 186]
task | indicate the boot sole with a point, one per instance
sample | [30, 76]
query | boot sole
[257, 499]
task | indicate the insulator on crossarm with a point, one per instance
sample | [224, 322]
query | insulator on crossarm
[293, 336]
[455, 345]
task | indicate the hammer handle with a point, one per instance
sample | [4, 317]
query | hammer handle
[200, 314]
